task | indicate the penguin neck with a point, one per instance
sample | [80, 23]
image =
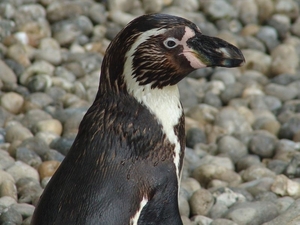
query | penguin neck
[164, 104]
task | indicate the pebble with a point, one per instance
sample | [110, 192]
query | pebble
[268, 35]
[284, 59]
[28, 156]
[10, 216]
[285, 187]
[232, 121]
[255, 213]
[29, 189]
[288, 217]
[8, 188]
[7, 75]
[16, 132]
[255, 172]
[232, 147]
[7, 201]
[5, 160]
[50, 125]
[12, 102]
[242, 125]
[22, 170]
[206, 173]
[258, 61]
[48, 168]
[195, 136]
[201, 202]
[281, 92]
[263, 144]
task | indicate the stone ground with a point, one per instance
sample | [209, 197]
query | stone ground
[243, 125]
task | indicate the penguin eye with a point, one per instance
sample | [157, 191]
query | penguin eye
[170, 43]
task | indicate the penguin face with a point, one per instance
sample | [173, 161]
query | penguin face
[159, 50]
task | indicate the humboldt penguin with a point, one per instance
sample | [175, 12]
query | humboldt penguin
[124, 165]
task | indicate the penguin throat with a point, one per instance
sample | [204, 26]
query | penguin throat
[165, 106]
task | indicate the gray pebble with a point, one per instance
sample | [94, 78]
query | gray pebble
[293, 167]
[232, 147]
[37, 100]
[62, 145]
[234, 90]
[281, 92]
[281, 23]
[97, 13]
[24, 209]
[296, 27]
[53, 155]
[7, 75]
[212, 99]
[284, 203]
[36, 145]
[206, 173]
[268, 36]
[284, 79]
[27, 156]
[10, 216]
[278, 166]
[218, 210]
[287, 7]
[289, 217]
[22, 170]
[255, 172]
[254, 213]
[15, 131]
[5, 160]
[33, 116]
[232, 121]
[184, 208]
[203, 220]
[37, 68]
[6, 202]
[219, 9]
[195, 136]
[56, 11]
[29, 189]
[290, 127]
[247, 161]
[223, 222]
[254, 43]
[263, 144]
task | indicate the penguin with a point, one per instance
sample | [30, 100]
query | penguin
[125, 163]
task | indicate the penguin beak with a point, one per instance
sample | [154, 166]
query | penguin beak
[212, 51]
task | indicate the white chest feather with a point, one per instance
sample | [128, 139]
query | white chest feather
[164, 104]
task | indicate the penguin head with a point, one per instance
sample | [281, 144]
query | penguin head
[160, 50]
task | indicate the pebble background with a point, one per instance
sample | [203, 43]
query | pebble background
[242, 164]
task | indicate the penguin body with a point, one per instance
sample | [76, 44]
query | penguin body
[125, 163]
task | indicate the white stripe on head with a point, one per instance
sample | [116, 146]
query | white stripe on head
[163, 103]
[189, 54]
[135, 218]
